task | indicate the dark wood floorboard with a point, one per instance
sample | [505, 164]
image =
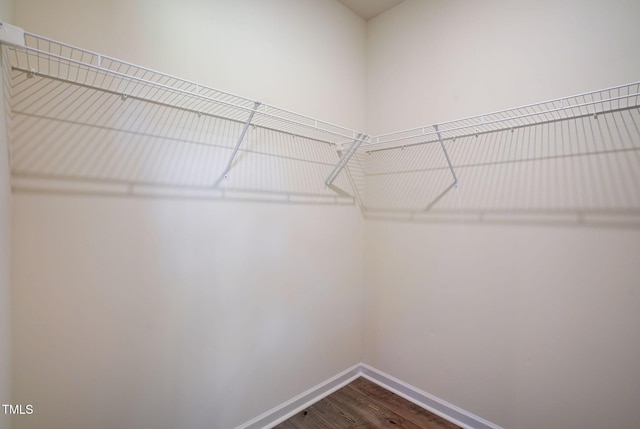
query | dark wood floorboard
[365, 405]
[400, 406]
[373, 412]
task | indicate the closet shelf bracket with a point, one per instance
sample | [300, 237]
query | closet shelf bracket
[344, 159]
[225, 173]
[446, 155]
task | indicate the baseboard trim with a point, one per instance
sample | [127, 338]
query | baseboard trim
[425, 400]
[277, 415]
[293, 406]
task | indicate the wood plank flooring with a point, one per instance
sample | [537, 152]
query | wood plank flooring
[365, 405]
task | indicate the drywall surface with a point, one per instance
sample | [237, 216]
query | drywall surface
[5, 258]
[508, 304]
[304, 56]
[132, 313]
[5, 247]
[433, 61]
[6, 10]
[524, 326]
[165, 312]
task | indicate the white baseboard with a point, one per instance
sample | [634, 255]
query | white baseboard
[429, 402]
[293, 406]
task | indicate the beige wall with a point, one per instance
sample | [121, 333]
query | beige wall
[135, 313]
[433, 61]
[5, 246]
[526, 324]
[6, 10]
[5, 253]
[307, 56]
[131, 313]
[5, 291]
[163, 313]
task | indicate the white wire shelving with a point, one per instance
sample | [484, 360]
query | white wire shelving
[46, 58]
[77, 90]
[79, 114]
[609, 100]
[617, 98]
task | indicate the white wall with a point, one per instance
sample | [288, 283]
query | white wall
[5, 245]
[163, 313]
[132, 313]
[135, 313]
[433, 61]
[525, 325]
[306, 56]
[5, 259]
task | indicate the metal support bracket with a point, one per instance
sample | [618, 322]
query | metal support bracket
[344, 159]
[225, 173]
[446, 154]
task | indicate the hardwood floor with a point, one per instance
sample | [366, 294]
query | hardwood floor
[365, 405]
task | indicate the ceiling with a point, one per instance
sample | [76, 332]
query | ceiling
[368, 9]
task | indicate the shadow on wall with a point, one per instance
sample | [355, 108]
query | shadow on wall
[74, 139]
[582, 172]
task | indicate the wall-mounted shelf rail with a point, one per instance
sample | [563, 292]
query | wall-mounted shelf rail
[594, 103]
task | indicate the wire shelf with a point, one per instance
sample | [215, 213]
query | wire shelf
[80, 117]
[46, 58]
[582, 171]
[594, 103]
